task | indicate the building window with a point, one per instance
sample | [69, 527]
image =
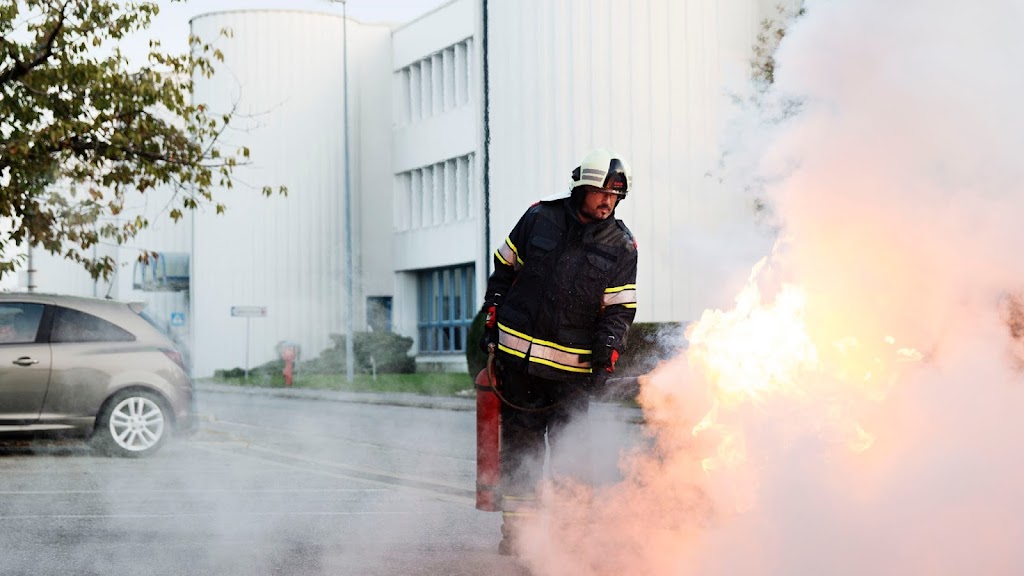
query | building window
[445, 309]
[434, 84]
[403, 104]
[378, 313]
[460, 73]
[434, 195]
[415, 97]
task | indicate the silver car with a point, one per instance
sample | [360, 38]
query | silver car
[92, 366]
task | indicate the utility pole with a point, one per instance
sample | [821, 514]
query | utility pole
[349, 293]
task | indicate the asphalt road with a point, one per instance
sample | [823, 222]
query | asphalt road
[269, 485]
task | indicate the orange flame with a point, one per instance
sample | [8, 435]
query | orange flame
[759, 356]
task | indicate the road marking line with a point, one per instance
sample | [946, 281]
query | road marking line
[203, 514]
[341, 438]
[197, 491]
[363, 472]
[438, 490]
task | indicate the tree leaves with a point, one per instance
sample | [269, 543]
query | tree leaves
[75, 116]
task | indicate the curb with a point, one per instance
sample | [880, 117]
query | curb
[599, 410]
[391, 399]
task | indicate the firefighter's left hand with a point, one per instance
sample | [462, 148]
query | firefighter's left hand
[602, 366]
[611, 364]
[605, 355]
[604, 360]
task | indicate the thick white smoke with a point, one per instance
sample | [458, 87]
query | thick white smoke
[898, 188]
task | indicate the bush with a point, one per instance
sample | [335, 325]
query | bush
[269, 372]
[387, 350]
[330, 361]
[476, 359]
[231, 373]
[647, 344]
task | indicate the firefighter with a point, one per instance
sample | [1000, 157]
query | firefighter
[559, 303]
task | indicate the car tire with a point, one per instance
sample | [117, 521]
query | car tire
[132, 424]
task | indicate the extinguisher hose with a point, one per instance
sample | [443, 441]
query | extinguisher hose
[491, 379]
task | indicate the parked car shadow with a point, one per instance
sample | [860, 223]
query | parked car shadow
[45, 445]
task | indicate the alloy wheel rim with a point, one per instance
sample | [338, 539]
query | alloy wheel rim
[136, 423]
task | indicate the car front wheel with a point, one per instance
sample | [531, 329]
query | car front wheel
[134, 423]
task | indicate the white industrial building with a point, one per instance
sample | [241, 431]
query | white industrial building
[454, 129]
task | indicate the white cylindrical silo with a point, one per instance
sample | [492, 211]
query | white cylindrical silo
[643, 77]
[282, 78]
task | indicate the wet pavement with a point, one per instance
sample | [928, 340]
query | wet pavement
[276, 481]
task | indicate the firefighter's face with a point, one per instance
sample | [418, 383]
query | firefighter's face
[598, 204]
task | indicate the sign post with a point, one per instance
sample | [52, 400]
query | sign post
[248, 312]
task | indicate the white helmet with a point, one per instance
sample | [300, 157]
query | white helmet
[603, 169]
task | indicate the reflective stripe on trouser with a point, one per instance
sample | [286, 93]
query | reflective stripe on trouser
[543, 352]
[518, 505]
[516, 511]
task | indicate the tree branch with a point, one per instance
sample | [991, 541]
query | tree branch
[42, 54]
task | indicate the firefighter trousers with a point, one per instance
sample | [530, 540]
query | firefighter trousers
[541, 420]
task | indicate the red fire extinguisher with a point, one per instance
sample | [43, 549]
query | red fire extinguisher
[488, 437]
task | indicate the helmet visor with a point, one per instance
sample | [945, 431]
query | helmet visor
[616, 180]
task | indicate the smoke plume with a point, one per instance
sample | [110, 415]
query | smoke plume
[890, 447]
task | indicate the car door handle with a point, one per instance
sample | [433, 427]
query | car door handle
[25, 361]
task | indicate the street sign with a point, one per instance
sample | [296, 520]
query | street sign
[249, 311]
[177, 318]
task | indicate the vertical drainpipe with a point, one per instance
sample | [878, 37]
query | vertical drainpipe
[95, 281]
[190, 300]
[30, 272]
[487, 143]
[350, 293]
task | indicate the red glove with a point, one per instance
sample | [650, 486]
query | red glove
[489, 336]
[611, 367]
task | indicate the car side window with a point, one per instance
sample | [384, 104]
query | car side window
[19, 322]
[75, 326]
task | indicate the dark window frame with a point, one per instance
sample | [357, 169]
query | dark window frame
[445, 308]
[382, 305]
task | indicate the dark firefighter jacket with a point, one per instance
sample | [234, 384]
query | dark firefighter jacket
[562, 288]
